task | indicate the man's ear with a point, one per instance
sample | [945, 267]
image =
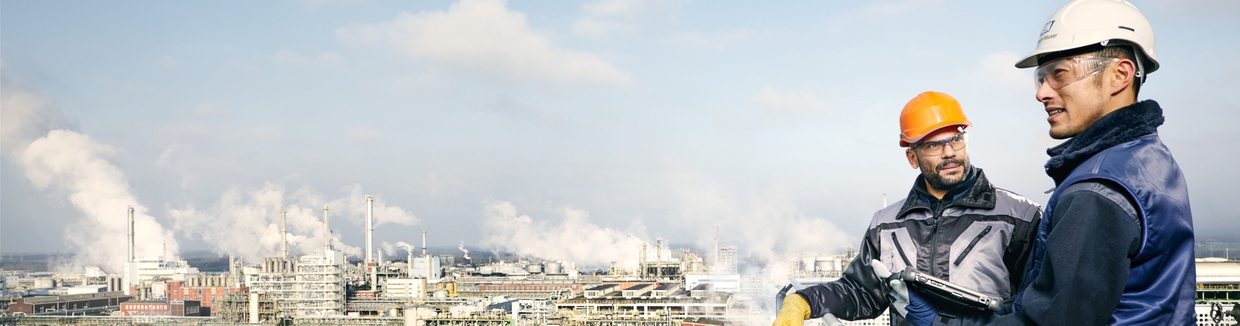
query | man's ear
[1122, 77]
[912, 158]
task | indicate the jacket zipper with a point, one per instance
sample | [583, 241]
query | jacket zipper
[901, 251]
[971, 244]
[934, 243]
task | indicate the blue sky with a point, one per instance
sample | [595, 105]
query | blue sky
[485, 122]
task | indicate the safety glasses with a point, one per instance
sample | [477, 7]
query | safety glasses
[935, 148]
[1063, 71]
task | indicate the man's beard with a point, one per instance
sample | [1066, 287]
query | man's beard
[937, 181]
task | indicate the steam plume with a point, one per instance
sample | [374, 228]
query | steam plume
[572, 238]
[245, 222]
[68, 161]
[462, 247]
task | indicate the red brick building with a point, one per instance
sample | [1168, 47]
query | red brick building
[206, 289]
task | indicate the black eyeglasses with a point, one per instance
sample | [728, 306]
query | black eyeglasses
[935, 148]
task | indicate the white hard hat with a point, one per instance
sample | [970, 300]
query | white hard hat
[1082, 23]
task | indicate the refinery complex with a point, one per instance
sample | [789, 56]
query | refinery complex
[668, 287]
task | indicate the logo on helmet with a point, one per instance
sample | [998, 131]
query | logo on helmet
[1047, 28]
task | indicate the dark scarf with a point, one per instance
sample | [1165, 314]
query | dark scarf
[952, 194]
[1118, 127]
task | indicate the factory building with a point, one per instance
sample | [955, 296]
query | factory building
[76, 304]
[305, 286]
[205, 288]
[517, 288]
[144, 272]
[406, 288]
[419, 269]
[678, 305]
[1218, 291]
[177, 308]
[717, 282]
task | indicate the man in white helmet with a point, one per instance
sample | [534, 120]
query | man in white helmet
[1115, 245]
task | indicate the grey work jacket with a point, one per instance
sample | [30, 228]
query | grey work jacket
[980, 240]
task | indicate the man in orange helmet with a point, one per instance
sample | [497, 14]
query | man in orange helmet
[953, 225]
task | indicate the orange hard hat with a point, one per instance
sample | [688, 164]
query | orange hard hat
[927, 112]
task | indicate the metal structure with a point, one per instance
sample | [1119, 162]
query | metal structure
[283, 233]
[327, 233]
[306, 286]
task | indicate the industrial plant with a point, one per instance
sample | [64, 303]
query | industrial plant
[668, 287]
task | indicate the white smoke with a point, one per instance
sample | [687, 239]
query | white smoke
[354, 208]
[769, 229]
[770, 226]
[572, 238]
[245, 222]
[408, 247]
[68, 161]
[462, 247]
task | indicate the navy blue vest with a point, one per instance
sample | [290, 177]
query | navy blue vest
[1161, 284]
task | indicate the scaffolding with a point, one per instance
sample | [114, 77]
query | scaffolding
[301, 287]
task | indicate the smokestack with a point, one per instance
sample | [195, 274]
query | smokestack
[283, 238]
[641, 263]
[428, 266]
[327, 233]
[410, 261]
[716, 245]
[370, 229]
[658, 257]
[131, 257]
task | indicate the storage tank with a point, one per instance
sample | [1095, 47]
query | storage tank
[554, 268]
[823, 264]
[533, 268]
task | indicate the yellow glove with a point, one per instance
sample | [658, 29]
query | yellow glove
[794, 312]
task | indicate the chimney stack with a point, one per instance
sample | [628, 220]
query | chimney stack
[283, 238]
[327, 233]
[131, 244]
[370, 229]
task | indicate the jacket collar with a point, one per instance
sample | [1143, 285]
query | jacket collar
[1118, 127]
[981, 194]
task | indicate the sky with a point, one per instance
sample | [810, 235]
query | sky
[566, 130]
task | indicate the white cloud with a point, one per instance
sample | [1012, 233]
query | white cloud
[483, 36]
[788, 101]
[293, 58]
[623, 7]
[611, 17]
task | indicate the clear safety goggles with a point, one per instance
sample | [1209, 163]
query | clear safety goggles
[1063, 71]
[936, 147]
